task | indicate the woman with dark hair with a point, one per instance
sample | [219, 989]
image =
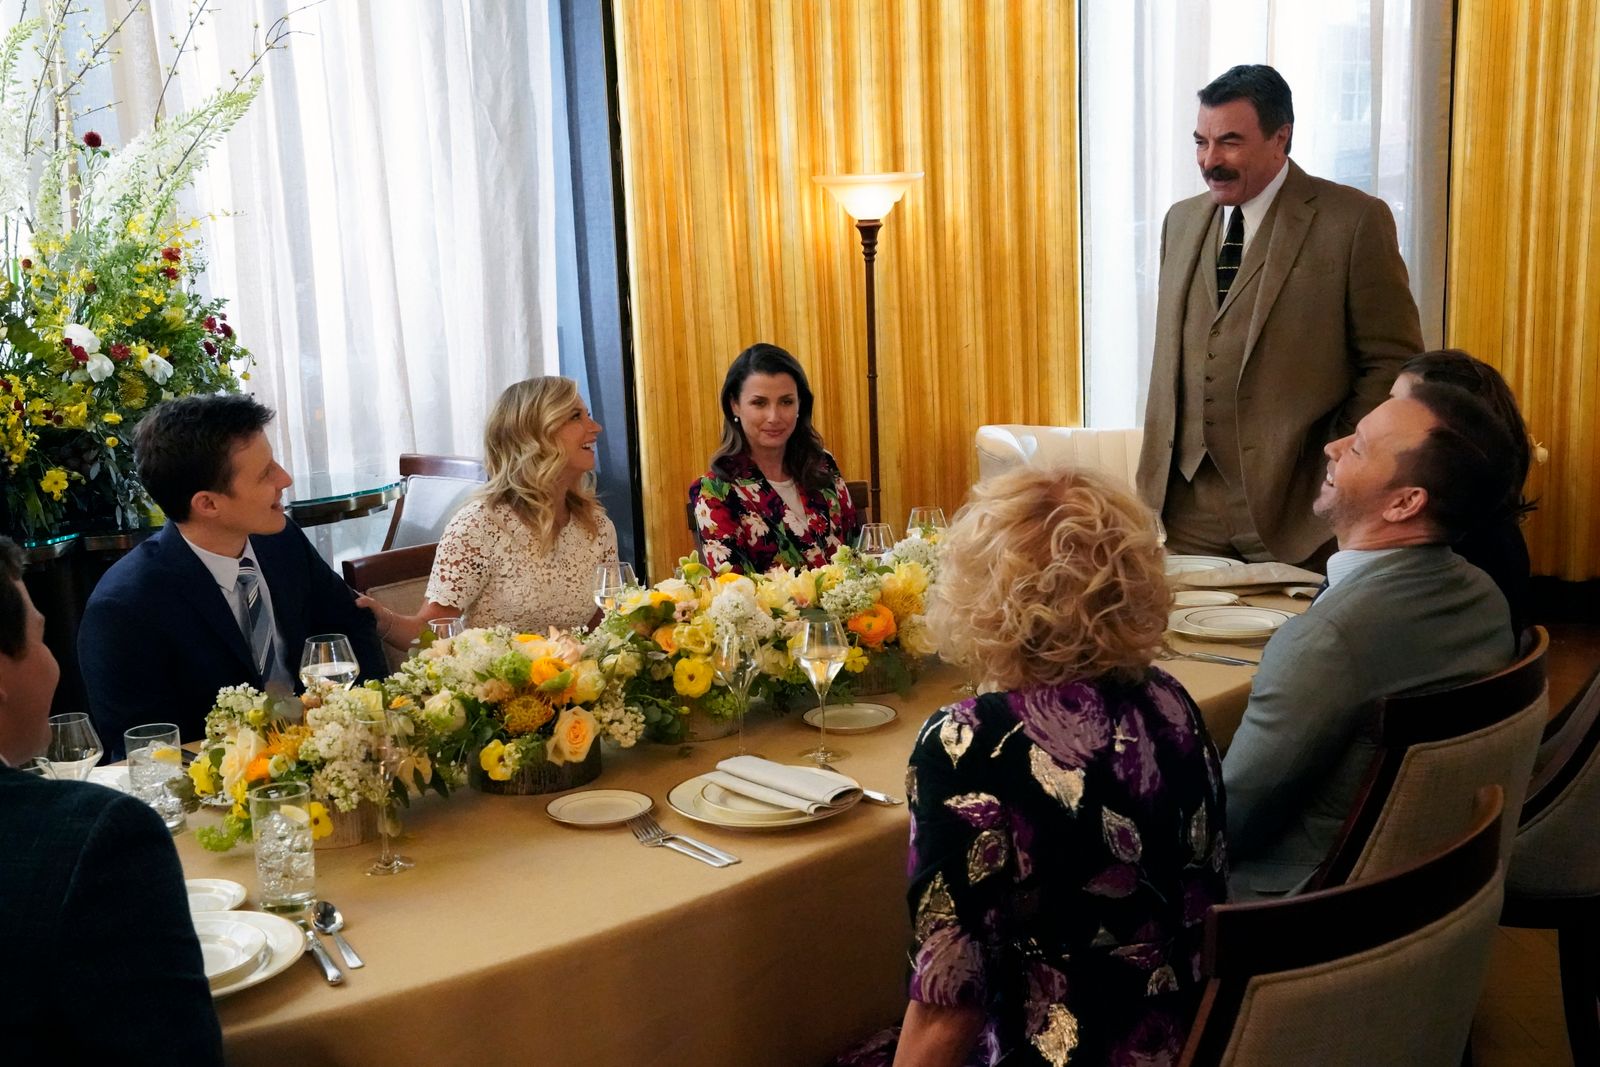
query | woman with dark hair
[773, 495]
[1495, 546]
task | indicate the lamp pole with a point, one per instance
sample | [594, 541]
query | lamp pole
[869, 253]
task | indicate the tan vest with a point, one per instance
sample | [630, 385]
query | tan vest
[1213, 354]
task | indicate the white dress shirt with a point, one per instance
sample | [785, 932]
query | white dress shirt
[1255, 209]
[225, 570]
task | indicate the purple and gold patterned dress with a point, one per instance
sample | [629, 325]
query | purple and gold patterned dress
[1066, 842]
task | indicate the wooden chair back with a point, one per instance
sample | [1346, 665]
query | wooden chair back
[1371, 974]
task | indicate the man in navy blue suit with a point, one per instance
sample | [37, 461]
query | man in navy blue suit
[103, 965]
[226, 594]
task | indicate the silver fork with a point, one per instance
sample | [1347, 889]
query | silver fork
[649, 832]
[1168, 653]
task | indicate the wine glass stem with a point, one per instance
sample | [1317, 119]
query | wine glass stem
[384, 856]
[822, 723]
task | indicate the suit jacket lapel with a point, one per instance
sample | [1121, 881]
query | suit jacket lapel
[194, 584]
[1294, 210]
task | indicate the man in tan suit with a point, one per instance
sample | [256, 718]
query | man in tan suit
[1283, 317]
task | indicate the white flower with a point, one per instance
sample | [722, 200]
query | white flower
[83, 337]
[100, 367]
[158, 369]
[443, 712]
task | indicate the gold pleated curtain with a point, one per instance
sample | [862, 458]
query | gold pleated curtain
[1524, 270]
[729, 107]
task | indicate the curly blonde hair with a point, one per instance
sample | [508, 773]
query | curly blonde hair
[525, 463]
[1049, 576]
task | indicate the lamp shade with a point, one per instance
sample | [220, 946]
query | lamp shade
[868, 196]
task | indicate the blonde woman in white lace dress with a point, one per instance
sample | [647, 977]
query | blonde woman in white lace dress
[523, 551]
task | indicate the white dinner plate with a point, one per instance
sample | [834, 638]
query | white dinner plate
[1188, 564]
[688, 799]
[213, 894]
[229, 948]
[598, 807]
[285, 944]
[1203, 598]
[852, 718]
[1237, 622]
[728, 804]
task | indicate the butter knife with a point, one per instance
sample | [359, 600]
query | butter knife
[727, 858]
[330, 970]
[881, 798]
[1212, 657]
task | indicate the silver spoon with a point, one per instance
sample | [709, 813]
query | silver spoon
[327, 920]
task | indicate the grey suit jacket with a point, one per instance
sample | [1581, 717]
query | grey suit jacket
[1415, 620]
[1332, 323]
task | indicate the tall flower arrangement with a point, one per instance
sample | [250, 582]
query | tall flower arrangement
[100, 317]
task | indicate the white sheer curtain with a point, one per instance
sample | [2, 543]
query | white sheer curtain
[1371, 82]
[391, 256]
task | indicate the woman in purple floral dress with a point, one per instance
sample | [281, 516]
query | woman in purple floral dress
[773, 496]
[1066, 834]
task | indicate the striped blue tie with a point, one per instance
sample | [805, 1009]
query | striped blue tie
[256, 623]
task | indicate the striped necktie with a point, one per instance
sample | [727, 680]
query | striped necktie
[256, 622]
[1229, 255]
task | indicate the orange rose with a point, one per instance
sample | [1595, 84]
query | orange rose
[258, 769]
[545, 668]
[573, 735]
[874, 626]
[665, 638]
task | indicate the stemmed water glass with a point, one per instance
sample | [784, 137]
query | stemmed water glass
[328, 659]
[735, 663]
[446, 626]
[388, 744]
[875, 540]
[75, 748]
[822, 652]
[610, 579]
[925, 522]
[1161, 529]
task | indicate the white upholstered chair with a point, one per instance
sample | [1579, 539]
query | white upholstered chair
[1111, 452]
[436, 487]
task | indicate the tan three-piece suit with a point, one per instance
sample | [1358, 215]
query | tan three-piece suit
[1310, 337]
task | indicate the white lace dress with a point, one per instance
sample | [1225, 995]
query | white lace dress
[488, 566]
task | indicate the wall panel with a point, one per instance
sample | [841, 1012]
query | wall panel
[1524, 268]
[729, 108]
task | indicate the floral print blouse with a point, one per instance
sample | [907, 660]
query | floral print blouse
[1066, 842]
[741, 519]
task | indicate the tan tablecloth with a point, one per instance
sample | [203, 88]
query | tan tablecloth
[516, 940]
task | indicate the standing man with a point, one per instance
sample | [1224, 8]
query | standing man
[1283, 317]
[225, 595]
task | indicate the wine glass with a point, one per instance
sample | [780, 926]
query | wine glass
[610, 579]
[75, 748]
[39, 766]
[328, 659]
[822, 652]
[1161, 529]
[388, 744]
[735, 663]
[874, 541]
[925, 522]
[446, 626]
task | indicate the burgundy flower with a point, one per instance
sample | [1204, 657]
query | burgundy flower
[120, 352]
[56, 418]
[92, 139]
[79, 354]
[90, 288]
[211, 323]
[210, 347]
[27, 264]
[17, 404]
[226, 330]
[171, 255]
[171, 273]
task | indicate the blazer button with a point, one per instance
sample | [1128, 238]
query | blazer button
[1211, 355]
[1208, 400]
[1208, 378]
[1210, 423]
[1215, 330]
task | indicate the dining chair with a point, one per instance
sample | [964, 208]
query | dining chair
[1553, 877]
[1380, 973]
[1436, 750]
[1114, 453]
[397, 579]
[435, 488]
[861, 500]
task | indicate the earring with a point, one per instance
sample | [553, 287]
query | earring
[736, 420]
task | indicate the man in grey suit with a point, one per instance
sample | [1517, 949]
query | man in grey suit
[1283, 317]
[1402, 614]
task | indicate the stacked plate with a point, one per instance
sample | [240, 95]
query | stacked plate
[1230, 622]
[703, 800]
[213, 894]
[1190, 564]
[245, 948]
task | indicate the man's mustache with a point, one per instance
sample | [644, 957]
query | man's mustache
[1220, 174]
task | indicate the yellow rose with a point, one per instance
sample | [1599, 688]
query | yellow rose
[692, 676]
[544, 669]
[575, 731]
[111, 418]
[321, 821]
[237, 758]
[695, 638]
[112, 442]
[497, 761]
[587, 681]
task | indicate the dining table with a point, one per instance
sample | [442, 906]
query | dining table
[519, 940]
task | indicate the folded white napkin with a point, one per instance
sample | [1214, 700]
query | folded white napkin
[1247, 575]
[112, 777]
[808, 789]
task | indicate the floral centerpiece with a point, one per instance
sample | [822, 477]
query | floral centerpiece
[100, 317]
[250, 742]
[661, 644]
[529, 708]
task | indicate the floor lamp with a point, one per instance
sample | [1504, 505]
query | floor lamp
[867, 198]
